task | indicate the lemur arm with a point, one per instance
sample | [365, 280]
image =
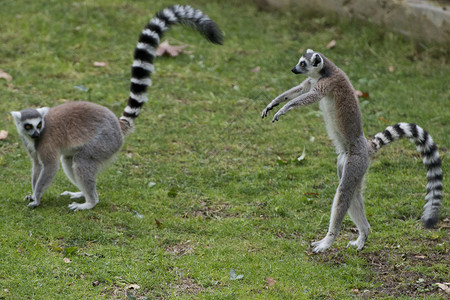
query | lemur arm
[302, 100]
[296, 91]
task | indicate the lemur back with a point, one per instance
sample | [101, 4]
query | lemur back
[329, 85]
[86, 136]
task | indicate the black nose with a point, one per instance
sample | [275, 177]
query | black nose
[295, 71]
[35, 134]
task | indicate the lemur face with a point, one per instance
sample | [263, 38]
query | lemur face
[309, 64]
[30, 121]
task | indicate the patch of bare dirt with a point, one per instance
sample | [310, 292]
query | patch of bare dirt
[180, 249]
[208, 210]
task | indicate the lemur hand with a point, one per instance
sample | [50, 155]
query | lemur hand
[266, 110]
[278, 115]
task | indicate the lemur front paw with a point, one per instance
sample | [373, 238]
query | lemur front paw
[72, 195]
[80, 206]
[322, 245]
[278, 115]
[33, 202]
[267, 109]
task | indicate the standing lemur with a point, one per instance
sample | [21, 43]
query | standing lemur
[86, 136]
[329, 85]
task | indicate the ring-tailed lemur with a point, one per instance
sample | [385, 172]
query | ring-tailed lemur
[85, 135]
[329, 85]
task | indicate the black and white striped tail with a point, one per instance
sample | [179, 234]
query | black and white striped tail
[430, 158]
[144, 53]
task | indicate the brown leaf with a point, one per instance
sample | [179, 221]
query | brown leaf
[5, 75]
[256, 69]
[67, 260]
[158, 223]
[331, 44]
[100, 63]
[166, 48]
[383, 119]
[270, 281]
[3, 134]
[391, 69]
[362, 94]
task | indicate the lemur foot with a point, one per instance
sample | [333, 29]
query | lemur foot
[80, 206]
[73, 195]
[358, 243]
[33, 202]
[322, 245]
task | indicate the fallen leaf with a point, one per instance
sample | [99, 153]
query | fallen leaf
[5, 75]
[391, 69]
[270, 281]
[256, 69]
[361, 94]
[444, 287]
[132, 286]
[158, 223]
[67, 260]
[3, 134]
[166, 48]
[151, 184]
[420, 256]
[302, 157]
[331, 44]
[100, 63]
[233, 275]
[385, 121]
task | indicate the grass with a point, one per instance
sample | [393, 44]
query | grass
[228, 191]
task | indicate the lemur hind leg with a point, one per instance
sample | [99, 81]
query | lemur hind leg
[351, 170]
[358, 216]
[67, 162]
[85, 171]
[356, 209]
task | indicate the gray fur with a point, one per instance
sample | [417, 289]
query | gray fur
[329, 85]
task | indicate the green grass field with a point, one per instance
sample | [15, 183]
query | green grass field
[204, 186]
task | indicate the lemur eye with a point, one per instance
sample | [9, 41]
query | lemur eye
[28, 126]
[39, 125]
[302, 64]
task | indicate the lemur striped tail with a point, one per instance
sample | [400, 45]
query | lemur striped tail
[144, 53]
[430, 158]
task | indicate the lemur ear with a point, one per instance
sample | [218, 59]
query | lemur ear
[316, 59]
[16, 115]
[309, 51]
[43, 111]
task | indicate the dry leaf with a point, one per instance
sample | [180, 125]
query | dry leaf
[331, 44]
[3, 134]
[5, 75]
[255, 70]
[166, 48]
[383, 119]
[158, 223]
[362, 94]
[391, 69]
[132, 286]
[444, 286]
[100, 63]
[270, 281]
[67, 260]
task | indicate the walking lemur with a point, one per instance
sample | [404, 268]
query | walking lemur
[329, 85]
[85, 135]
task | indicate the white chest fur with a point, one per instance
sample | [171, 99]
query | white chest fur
[328, 107]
